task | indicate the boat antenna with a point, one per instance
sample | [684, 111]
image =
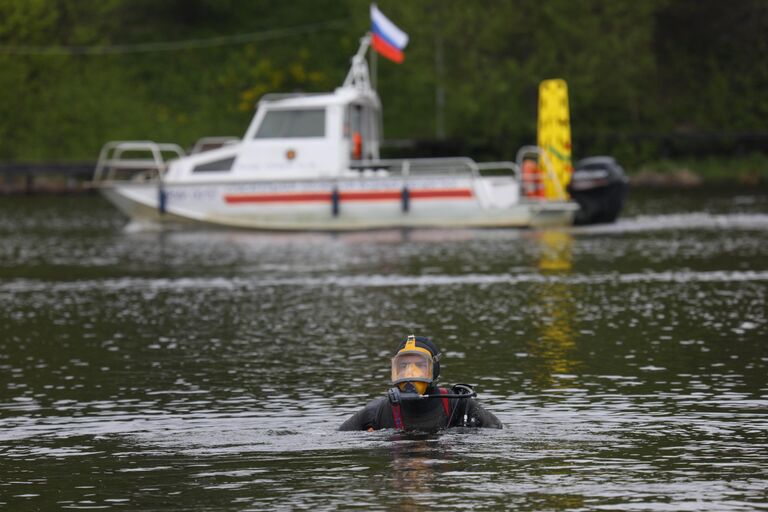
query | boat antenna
[358, 76]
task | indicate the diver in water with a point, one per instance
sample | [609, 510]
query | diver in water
[415, 402]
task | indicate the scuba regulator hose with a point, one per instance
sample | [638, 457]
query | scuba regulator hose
[460, 391]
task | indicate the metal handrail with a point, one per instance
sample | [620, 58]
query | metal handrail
[277, 96]
[202, 144]
[510, 166]
[539, 152]
[411, 168]
[111, 157]
[414, 166]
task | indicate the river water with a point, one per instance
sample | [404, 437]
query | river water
[209, 370]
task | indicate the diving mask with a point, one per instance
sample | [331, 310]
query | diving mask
[412, 369]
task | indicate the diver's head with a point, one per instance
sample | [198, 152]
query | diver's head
[416, 365]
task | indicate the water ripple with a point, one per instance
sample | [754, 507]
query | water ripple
[231, 283]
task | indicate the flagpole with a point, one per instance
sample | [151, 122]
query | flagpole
[374, 70]
[374, 66]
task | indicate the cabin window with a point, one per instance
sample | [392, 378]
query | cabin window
[222, 165]
[292, 124]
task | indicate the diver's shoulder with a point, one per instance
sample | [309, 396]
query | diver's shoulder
[376, 403]
[367, 416]
[483, 416]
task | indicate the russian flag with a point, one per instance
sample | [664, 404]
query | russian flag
[388, 40]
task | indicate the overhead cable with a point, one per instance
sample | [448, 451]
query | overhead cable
[189, 44]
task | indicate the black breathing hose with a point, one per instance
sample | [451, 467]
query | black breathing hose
[460, 391]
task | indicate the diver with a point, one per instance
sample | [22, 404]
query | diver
[415, 402]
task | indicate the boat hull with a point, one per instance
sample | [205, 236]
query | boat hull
[338, 205]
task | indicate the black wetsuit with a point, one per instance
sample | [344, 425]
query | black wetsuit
[426, 414]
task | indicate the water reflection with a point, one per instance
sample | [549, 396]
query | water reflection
[417, 462]
[553, 349]
[555, 250]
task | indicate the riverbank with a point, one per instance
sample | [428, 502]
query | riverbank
[46, 177]
[746, 170]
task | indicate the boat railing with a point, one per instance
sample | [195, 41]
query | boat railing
[414, 167]
[277, 96]
[209, 143]
[135, 159]
[538, 153]
[503, 166]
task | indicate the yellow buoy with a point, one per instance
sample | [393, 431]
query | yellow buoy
[554, 137]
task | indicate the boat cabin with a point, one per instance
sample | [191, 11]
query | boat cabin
[298, 136]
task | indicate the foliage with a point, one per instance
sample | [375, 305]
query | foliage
[639, 73]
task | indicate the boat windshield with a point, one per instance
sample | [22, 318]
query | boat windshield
[292, 124]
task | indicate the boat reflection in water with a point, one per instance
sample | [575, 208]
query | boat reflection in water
[553, 348]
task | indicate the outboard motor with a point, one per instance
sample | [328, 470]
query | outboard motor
[599, 186]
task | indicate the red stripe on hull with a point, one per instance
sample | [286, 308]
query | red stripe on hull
[455, 193]
[277, 198]
[373, 195]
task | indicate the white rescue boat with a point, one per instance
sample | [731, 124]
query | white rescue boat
[311, 162]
